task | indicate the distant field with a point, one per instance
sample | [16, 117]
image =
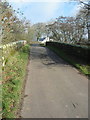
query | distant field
[34, 42]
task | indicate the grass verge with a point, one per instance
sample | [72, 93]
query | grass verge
[80, 65]
[13, 79]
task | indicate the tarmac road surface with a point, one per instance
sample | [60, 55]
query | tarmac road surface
[54, 89]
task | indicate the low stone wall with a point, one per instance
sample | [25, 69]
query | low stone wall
[9, 49]
[81, 52]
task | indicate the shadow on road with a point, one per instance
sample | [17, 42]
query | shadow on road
[46, 56]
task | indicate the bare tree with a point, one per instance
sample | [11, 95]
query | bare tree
[11, 28]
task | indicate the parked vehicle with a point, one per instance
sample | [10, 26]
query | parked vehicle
[44, 40]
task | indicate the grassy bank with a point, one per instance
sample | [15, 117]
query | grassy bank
[13, 79]
[79, 64]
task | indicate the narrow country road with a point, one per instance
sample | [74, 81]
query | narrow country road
[54, 89]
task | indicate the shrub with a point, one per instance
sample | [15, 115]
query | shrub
[26, 48]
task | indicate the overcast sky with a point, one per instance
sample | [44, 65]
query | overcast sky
[45, 10]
